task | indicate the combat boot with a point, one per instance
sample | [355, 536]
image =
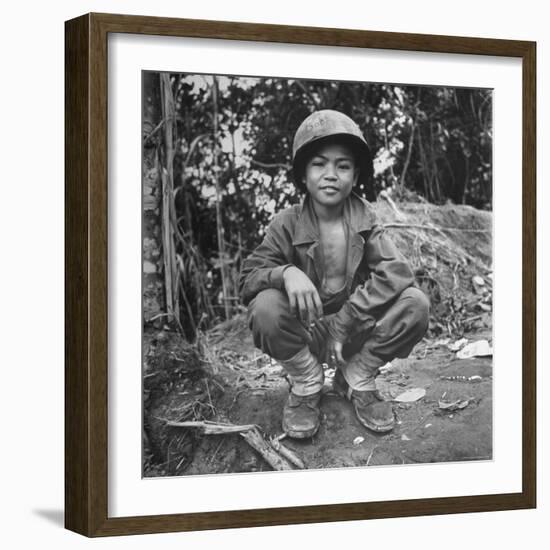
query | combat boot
[301, 413]
[370, 409]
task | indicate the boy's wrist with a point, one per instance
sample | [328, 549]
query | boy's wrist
[276, 277]
[340, 324]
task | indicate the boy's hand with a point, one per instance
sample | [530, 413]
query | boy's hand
[302, 295]
[335, 352]
[335, 342]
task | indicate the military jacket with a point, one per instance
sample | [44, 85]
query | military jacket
[376, 272]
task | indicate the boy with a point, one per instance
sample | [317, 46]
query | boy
[327, 285]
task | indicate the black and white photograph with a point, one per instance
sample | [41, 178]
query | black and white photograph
[317, 274]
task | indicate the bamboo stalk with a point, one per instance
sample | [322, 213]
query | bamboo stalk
[219, 223]
[166, 256]
[408, 157]
[168, 207]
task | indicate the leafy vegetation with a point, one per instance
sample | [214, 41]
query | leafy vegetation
[217, 154]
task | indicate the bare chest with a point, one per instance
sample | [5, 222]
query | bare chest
[334, 253]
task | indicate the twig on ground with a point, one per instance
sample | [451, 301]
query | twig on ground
[269, 454]
[222, 389]
[211, 428]
[434, 228]
[216, 451]
[209, 396]
[474, 318]
[287, 453]
[371, 453]
[235, 397]
[180, 463]
[398, 214]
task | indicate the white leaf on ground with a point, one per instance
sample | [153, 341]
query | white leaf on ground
[481, 348]
[455, 346]
[358, 440]
[385, 368]
[477, 280]
[442, 342]
[454, 405]
[414, 394]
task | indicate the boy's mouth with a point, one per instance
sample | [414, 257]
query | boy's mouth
[330, 189]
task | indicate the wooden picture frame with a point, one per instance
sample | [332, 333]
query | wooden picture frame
[86, 280]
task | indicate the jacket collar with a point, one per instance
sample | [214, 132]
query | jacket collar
[358, 214]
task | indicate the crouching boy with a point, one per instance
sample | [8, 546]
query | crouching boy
[327, 285]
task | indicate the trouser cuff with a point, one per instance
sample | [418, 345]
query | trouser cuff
[305, 372]
[361, 370]
[358, 381]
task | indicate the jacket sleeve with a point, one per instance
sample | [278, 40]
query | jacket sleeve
[389, 275]
[264, 268]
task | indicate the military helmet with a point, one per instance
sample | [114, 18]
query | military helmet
[329, 126]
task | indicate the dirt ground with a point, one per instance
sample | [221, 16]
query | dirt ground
[253, 391]
[222, 378]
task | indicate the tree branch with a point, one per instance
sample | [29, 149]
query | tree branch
[270, 165]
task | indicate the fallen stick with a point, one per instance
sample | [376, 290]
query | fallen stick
[384, 195]
[434, 228]
[371, 453]
[269, 454]
[288, 454]
[212, 428]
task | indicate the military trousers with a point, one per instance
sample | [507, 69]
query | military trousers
[399, 327]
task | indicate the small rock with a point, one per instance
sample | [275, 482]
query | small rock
[358, 440]
[404, 437]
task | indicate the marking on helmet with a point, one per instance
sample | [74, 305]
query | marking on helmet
[316, 123]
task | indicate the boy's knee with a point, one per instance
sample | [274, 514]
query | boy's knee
[266, 310]
[274, 330]
[418, 307]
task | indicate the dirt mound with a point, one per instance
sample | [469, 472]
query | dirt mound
[223, 378]
[450, 250]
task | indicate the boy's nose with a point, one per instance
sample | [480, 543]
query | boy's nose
[330, 172]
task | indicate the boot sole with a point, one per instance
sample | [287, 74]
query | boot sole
[341, 392]
[378, 429]
[302, 434]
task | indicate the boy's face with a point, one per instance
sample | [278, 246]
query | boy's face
[330, 174]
